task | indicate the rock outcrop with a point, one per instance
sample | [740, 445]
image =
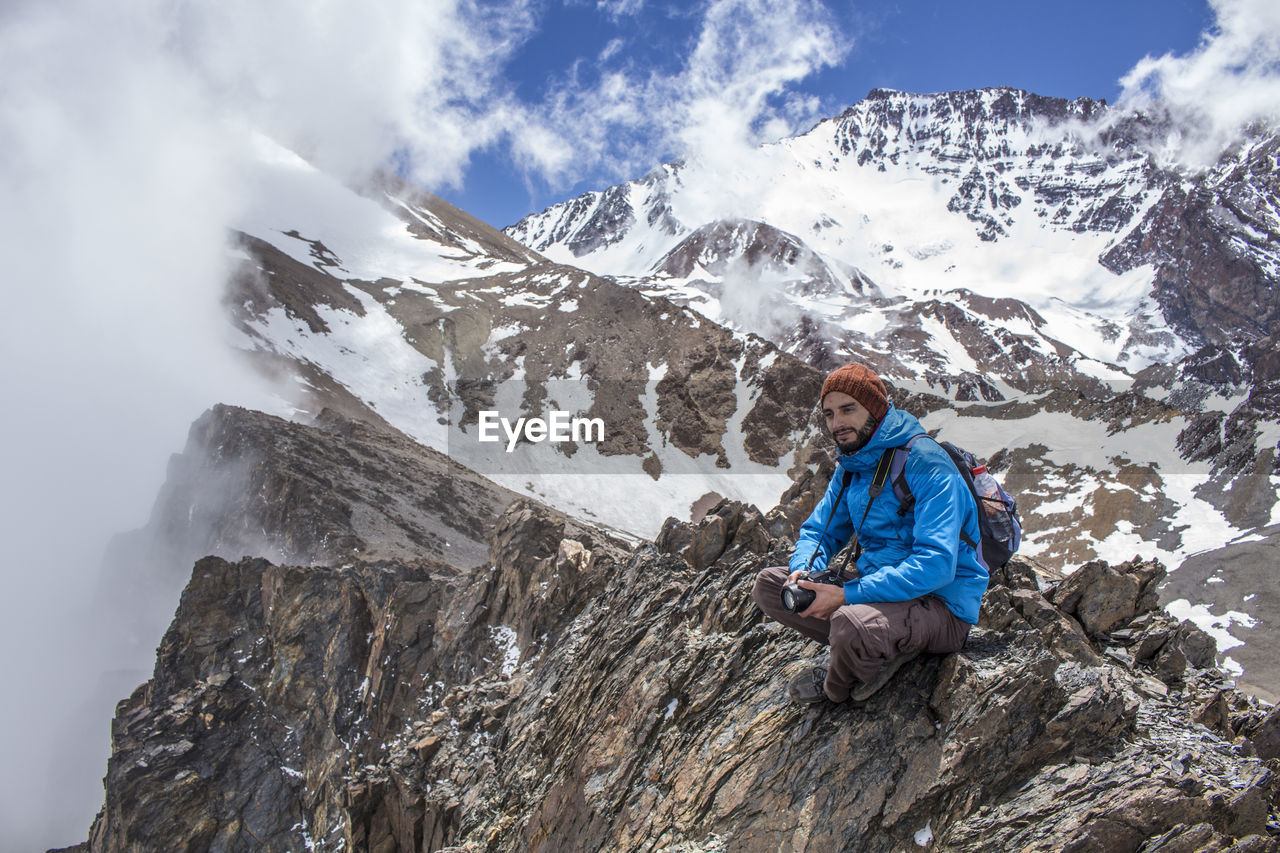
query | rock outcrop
[568, 696]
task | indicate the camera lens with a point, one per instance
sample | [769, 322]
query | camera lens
[788, 599]
[796, 598]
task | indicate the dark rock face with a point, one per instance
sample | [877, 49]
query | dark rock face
[275, 685]
[609, 221]
[561, 698]
[1213, 245]
[253, 484]
[593, 221]
[755, 244]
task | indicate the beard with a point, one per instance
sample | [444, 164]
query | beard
[853, 442]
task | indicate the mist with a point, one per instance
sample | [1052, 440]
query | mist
[1228, 84]
[126, 129]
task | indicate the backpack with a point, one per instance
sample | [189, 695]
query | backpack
[998, 522]
[999, 527]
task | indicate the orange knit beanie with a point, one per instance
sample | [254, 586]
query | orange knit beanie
[861, 383]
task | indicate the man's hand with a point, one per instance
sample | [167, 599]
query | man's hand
[830, 599]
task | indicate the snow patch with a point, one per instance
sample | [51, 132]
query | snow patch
[1214, 626]
[504, 637]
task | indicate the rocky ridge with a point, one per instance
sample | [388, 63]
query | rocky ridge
[575, 693]
[520, 335]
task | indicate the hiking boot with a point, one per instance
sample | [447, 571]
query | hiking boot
[863, 692]
[806, 688]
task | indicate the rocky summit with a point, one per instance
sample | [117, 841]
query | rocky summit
[573, 692]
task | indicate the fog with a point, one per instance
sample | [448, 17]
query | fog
[1229, 82]
[124, 128]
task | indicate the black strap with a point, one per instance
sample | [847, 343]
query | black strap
[844, 484]
[877, 486]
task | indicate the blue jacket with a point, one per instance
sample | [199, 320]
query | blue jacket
[903, 557]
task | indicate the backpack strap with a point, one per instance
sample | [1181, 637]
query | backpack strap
[898, 474]
[906, 500]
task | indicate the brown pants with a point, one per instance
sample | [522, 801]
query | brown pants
[864, 636]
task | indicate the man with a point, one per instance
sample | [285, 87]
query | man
[917, 585]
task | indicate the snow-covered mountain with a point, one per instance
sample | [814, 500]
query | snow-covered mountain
[896, 202]
[392, 306]
[1101, 325]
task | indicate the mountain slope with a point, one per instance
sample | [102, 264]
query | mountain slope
[568, 694]
[997, 192]
[1101, 327]
[421, 317]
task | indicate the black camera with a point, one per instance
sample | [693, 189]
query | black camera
[796, 598]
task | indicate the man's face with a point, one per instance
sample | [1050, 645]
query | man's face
[850, 423]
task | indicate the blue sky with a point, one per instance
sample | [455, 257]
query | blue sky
[1068, 50]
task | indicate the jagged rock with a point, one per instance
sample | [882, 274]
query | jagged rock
[1169, 647]
[729, 528]
[1203, 838]
[248, 483]
[1264, 734]
[1002, 607]
[1102, 597]
[798, 501]
[342, 707]
[1214, 714]
[539, 573]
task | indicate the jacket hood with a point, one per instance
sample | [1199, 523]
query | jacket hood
[894, 431]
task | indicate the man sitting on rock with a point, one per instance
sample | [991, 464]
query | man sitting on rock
[916, 586]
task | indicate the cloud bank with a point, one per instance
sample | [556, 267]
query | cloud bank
[127, 128]
[735, 89]
[1230, 82]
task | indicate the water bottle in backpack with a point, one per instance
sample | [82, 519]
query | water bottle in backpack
[998, 523]
[991, 499]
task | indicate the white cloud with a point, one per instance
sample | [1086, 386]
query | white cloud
[126, 128]
[731, 93]
[347, 84]
[1231, 80]
[113, 245]
[610, 50]
[620, 8]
